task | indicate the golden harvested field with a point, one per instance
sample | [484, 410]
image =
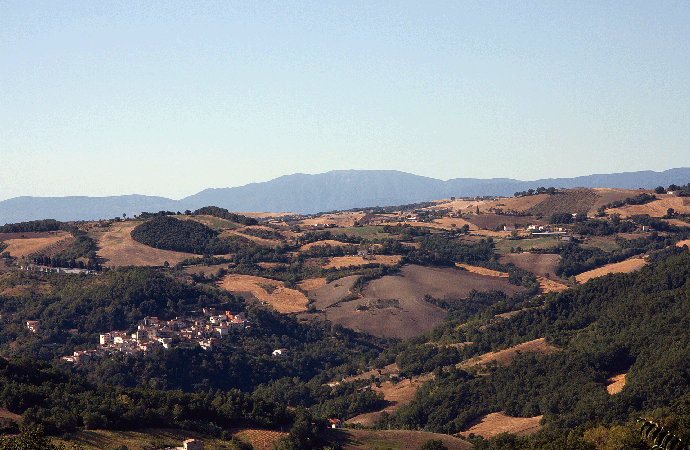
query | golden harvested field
[392, 439]
[616, 384]
[504, 357]
[547, 285]
[311, 284]
[345, 219]
[482, 271]
[117, 248]
[496, 423]
[258, 240]
[346, 261]
[682, 243]
[260, 439]
[23, 247]
[282, 299]
[448, 222]
[629, 265]
[330, 242]
[656, 208]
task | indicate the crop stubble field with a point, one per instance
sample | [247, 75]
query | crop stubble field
[282, 299]
[117, 248]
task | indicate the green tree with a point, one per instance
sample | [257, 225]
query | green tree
[433, 444]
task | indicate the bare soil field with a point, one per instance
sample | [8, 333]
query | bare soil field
[539, 264]
[346, 261]
[392, 439]
[629, 265]
[396, 394]
[312, 284]
[19, 247]
[682, 243]
[504, 357]
[656, 208]
[616, 384]
[407, 314]
[273, 292]
[117, 248]
[491, 221]
[329, 294]
[496, 423]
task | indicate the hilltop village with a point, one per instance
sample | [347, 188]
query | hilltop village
[204, 331]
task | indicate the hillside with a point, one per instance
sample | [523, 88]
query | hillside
[437, 318]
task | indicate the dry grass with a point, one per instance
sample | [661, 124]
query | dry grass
[23, 247]
[257, 240]
[344, 219]
[312, 284]
[145, 438]
[453, 222]
[396, 394]
[547, 285]
[393, 439]
[260, 439]
[117, 248]
[629, 265]
[682, 243]
[282, 299]
[346, 261]
[656, 208]
[330, 242]
[496, 423]
[504, 357]
[616, 384]
[482, 271]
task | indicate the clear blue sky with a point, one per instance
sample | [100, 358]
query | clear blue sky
[169, 98]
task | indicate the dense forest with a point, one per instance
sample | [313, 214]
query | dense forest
[169, 233]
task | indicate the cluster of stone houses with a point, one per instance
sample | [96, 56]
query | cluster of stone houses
[151, 333]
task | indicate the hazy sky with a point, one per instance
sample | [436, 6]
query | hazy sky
[169, 98]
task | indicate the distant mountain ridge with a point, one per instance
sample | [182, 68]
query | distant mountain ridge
[309, 194]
